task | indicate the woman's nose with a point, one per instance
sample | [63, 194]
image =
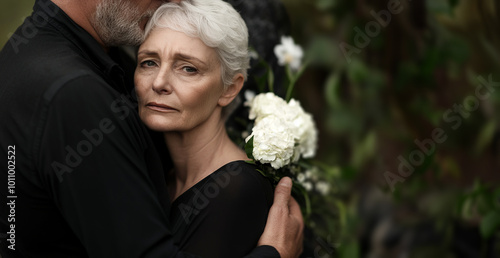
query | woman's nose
[162, 84]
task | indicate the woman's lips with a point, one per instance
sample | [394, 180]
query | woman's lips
[160, 107]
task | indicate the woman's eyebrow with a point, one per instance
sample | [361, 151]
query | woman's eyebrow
[188, 57]
[179, 55]
[147, 52]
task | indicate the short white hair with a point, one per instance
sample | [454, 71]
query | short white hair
[214, 22]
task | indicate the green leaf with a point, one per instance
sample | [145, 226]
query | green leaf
[331, 90]
[325, 5]
[490, 224]
[440, 6]
[349, 249]
[267, 78]
[365, 150]
[299, 191]
[491, 50]
[249, 148]
[261, 82]
[496, 196]
[485, 137]
[342, 211]
[358, 71]
[453, 3]
[264, 174]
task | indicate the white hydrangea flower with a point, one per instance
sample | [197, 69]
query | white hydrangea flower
[284, 122]
[288, 53]
[266, 104]
[309, 140]
[304, 128]
[272, 142]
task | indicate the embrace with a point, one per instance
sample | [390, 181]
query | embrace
[115, 157]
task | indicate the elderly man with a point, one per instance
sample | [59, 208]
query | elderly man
[82, 177]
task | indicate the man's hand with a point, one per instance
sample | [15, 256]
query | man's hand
[285, 225]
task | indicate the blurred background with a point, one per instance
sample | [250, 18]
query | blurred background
[405, 95]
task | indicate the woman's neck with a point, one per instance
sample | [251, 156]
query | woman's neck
[199, 152]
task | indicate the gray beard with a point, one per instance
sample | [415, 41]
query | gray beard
[116, 22]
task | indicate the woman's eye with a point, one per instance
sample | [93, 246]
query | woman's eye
[189, 69]
[148, 63]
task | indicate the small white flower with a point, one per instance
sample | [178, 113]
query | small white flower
[308, 174]
[288, 53]
[307, 185]
[253, 54]
[323, 187]
[295, 170]
[244, 134]
[301, 178]
[249, 95]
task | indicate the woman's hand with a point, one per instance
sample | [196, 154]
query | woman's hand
[285, 225]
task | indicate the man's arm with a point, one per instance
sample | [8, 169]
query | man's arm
[94, 160]
[285, 224]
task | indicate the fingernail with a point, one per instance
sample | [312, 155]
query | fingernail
[286, 181]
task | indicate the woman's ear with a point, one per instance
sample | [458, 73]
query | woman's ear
[232, 90]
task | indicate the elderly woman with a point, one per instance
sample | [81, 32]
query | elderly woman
[191, 67]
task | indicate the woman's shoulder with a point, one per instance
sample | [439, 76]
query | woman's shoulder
[240, 178]
[239, 168]
[243, 171]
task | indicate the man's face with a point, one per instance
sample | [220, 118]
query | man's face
[122, 22]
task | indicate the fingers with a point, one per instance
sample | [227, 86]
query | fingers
[295, 210]
[285, 225]
[297, 214]
[282, 193]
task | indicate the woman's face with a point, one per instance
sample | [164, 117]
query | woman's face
[178, 81]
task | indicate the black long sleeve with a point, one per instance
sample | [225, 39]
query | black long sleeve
[224, 214]
[105, 183]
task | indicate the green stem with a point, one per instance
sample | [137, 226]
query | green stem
[308, 204]
[293, 79]
[270, 78]
[291, 84]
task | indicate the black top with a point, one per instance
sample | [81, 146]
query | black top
[224, 214]
[84, 177]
